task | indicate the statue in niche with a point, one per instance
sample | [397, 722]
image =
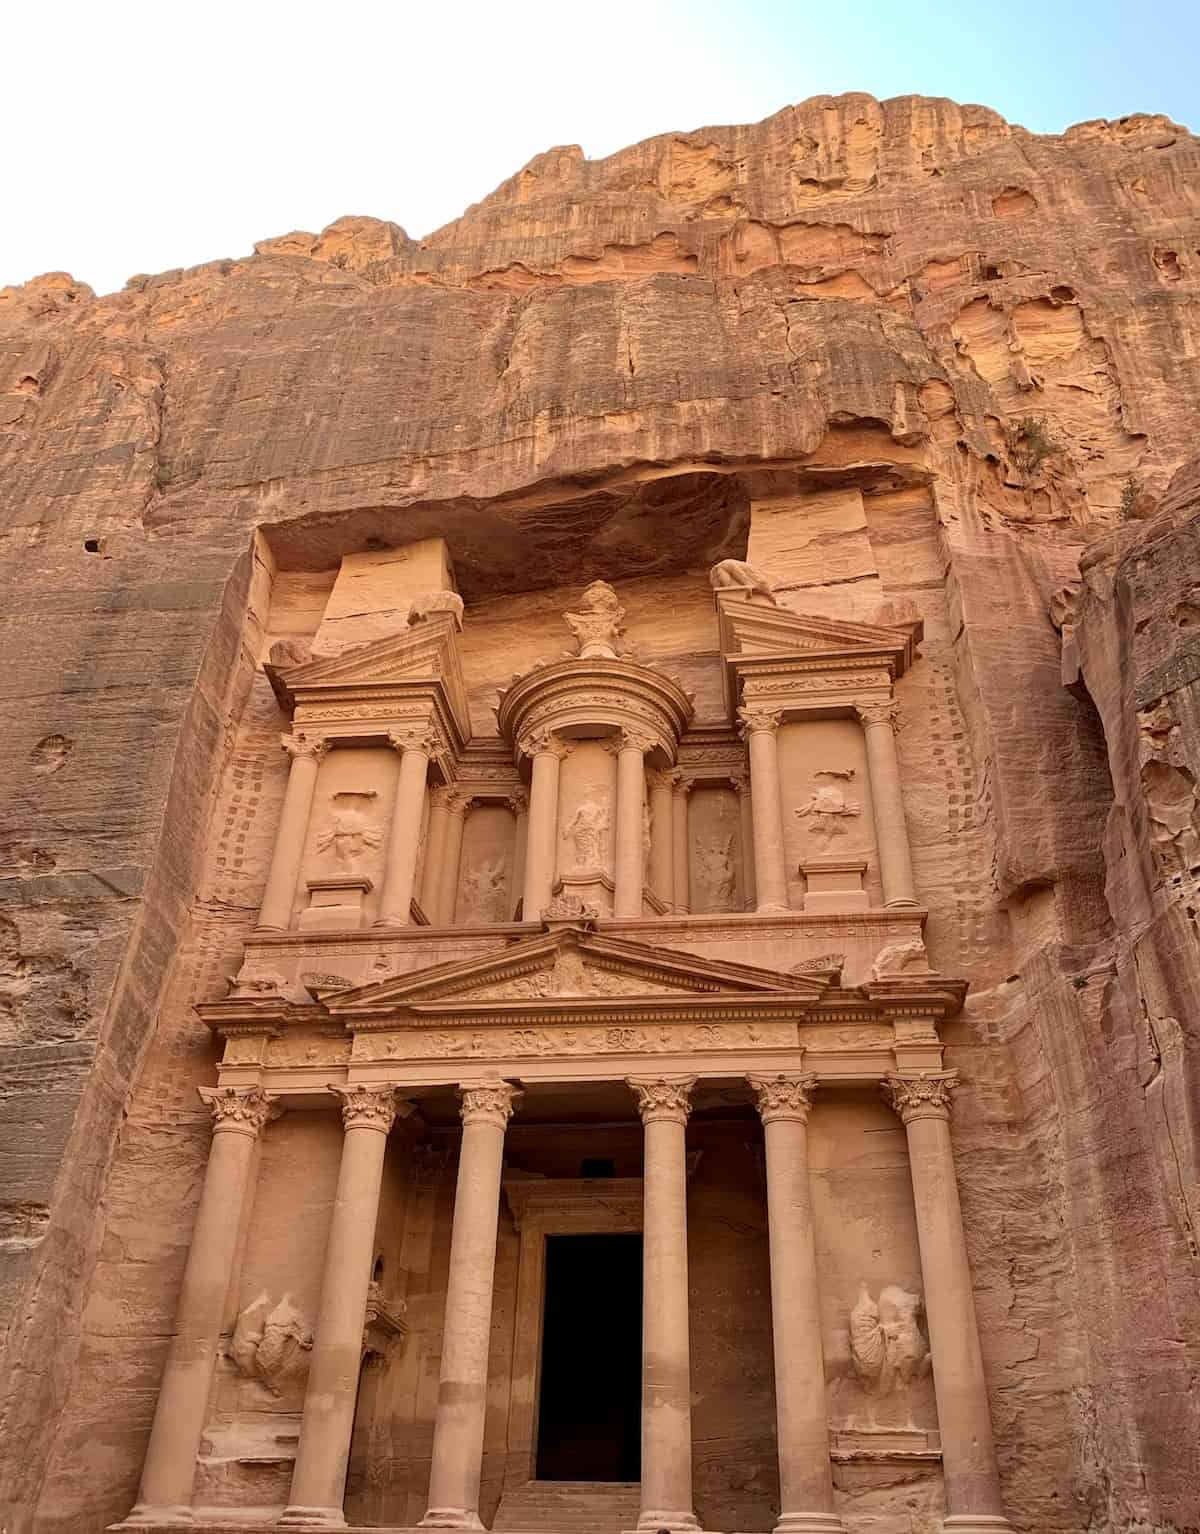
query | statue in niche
[887, 1346]
[715, 859]
[597, 625]
[270, 1342]
[588, 831]
[737, 575]
[483, 890]
[828, 809]
[350, 833]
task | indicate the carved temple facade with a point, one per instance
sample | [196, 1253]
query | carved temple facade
[581, 1113]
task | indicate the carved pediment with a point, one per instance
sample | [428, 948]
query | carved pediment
[423, 657]
[751, 630]
[569, 965]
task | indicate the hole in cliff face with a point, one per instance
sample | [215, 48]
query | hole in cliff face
[1014, 202]
[51, 753]
[1167, 264]
[93, 545]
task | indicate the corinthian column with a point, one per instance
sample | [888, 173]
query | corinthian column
[741, 787]
[887, 800]
[546, 752]
[170, 1466]
[275, 914]
[518, 802]
[629, 872]
[761, 727]
[462, 1391]
[973, 1504]
[319, 1478]
[666, 1356]
[395, 904]
[662, 836]
[805, 1482]
[435, 850]
[457, 805]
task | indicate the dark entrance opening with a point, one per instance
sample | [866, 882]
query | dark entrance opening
[589, 1416]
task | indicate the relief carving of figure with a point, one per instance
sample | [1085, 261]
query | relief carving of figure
[597, 625]
[828, 809]
[900, 958]
[588, 831]
[350, 833]
[270, 1342]
[886, 1343]
[483, 890]
[736, 574]
[715, 859]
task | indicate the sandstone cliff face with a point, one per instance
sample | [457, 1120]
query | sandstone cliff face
[993, 337]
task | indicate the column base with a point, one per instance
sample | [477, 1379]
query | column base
[450, 1518]
[772, 908]
[312, 1518]
[142, 1513]
[976, 1523]
[810, 1523]
[677, 1522]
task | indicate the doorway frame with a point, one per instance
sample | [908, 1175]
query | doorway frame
[541, 1207]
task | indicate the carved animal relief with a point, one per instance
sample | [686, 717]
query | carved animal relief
[887, 1346]
[271, 1343]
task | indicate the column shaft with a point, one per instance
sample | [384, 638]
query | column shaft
[973, 1504]
[456, 825]
[275, 914]
[629, 874]
[666, 1501]
[887, 801]
[746, 810]
[681, 849]
[170, 1465]
[542, 842]
[319, 1477]
[805, 1481]
[516, 884]
[662, 837]
[395, 905]
[770, 869]
[462, 1392]
[435, 852]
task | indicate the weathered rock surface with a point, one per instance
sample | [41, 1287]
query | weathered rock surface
[993, 337]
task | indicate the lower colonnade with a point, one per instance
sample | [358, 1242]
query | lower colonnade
[922, 1099]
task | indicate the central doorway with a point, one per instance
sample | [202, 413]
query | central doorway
[589, 1416]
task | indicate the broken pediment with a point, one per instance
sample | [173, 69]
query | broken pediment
[568, 965]
[421, 659]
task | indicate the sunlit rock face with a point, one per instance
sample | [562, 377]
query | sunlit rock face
[932, 381]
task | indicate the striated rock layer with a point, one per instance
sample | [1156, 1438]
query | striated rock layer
[991, 338]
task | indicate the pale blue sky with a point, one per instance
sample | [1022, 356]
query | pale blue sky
[142, 134]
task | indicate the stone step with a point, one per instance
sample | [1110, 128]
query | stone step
[548, 1507]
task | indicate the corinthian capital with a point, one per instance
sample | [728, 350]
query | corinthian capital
[491, 1102]
[925, 1095]
[543, 742]
[296, 746]
[887, 712]
[242, 1109]
[368, 1107]
[784, 1097]
[756, 719]
[415, 737]
[662, 1097]
[635, 740]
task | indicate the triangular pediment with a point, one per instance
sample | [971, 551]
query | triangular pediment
[569, 965]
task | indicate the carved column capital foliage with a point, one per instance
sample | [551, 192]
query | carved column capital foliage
[490, 1101]
[543, 742]
[681, 787]
[635, 740]
[243, 1109]
[925, 1095]
[756, 718]
[658, 777]
[518, 801]
[368, 1107]
[415, 737]
[662, 1097]
[296, 746]
[784, 1097]
[458, 801]
[740, 784]
[879, 713]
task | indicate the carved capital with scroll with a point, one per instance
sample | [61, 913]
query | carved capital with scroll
[297, 746]
[543, 742]
[518, 801]
[756, 719]
[887, 712]
[490, 1102]
[635, 740]
[784, 1097]
[925, 1095]
[242, 1110]
[662, 1097]
[368, 1107]
[415, 737]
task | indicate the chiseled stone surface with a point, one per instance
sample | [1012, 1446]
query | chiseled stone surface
[901, 356]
